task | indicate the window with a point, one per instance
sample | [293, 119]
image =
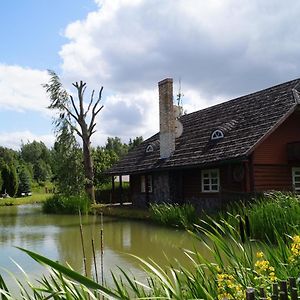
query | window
[296, 179]
[143, 184]
[149, 149]
[210, 181]
[217, 134]
[149, 184]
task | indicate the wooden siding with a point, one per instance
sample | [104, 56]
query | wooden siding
[274, 149]
[271, 168]
[192, 183]
[272, 177]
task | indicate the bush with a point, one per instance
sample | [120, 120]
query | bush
[173, 214]
[60, 204]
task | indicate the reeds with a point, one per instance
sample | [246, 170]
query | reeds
[181, 216]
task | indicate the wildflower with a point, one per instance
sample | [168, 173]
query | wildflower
[295, 248]
[229, 288]
[264, 271]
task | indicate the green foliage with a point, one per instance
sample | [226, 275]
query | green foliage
[24, 181]
[105, 157]
[183, 216]
[67, 164]
[10, 180]
[275, 210]
[62, 204]
[38, 156]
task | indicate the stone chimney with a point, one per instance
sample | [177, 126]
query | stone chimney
[166, 118]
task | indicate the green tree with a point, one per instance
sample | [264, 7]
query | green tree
[115, 144]
[80, 117]
[67, 163]
[103, 160]
[135, 142]
[24, 181]
[10, 180]
[37, 157]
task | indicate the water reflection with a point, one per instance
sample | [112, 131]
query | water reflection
[58, 237]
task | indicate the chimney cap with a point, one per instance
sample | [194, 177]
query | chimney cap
[166, 80]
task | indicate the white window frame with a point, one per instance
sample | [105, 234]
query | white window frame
[149, 149]
[210, 184]
[217, 134]
[296, 173]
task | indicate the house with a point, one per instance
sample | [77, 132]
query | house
[229, 151]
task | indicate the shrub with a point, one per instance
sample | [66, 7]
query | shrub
[173, 214]
[60, 204]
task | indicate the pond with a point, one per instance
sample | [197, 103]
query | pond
[58, 237]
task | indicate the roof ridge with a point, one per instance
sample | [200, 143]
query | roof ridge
[297, 80]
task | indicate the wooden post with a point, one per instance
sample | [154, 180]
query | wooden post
[112, 189]
[147, 190]
[250, 294]
[120, 190]
[283, 290]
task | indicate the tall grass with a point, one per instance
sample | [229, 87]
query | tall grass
[61, 204]
[182, 216]
[270, 215]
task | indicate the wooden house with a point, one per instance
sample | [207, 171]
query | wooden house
[229, 151]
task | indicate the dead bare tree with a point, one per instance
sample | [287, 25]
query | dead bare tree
[80, 117]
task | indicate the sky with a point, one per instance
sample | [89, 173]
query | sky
[218, 49]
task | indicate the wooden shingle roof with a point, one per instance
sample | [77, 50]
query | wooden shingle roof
[245, 121]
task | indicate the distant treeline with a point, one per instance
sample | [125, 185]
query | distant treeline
[34, 163]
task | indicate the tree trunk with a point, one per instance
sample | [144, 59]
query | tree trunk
[88, 168]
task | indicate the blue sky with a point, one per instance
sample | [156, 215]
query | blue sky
[219, 48]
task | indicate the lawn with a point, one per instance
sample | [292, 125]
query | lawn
[34, 198]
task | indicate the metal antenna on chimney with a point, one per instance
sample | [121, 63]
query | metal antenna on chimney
[179, 95]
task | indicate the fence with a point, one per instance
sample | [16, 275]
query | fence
[285, 290]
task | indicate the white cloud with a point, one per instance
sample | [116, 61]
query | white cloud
[216, 46]
[13, 140]
[21, 89]
[220, 49]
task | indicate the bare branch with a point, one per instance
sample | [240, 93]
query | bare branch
[74, 106]
[94, 111]
[91, 101]
[74, 128]
[70, 113]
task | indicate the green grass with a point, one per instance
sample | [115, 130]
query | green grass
[34, 198]
[182, 216]
[274, 210]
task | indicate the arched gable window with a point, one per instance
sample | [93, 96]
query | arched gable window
[149, 149]
[217, 134]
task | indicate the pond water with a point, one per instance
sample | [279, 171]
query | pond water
[58, 237]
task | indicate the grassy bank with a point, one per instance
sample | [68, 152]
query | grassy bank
[34, 198]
